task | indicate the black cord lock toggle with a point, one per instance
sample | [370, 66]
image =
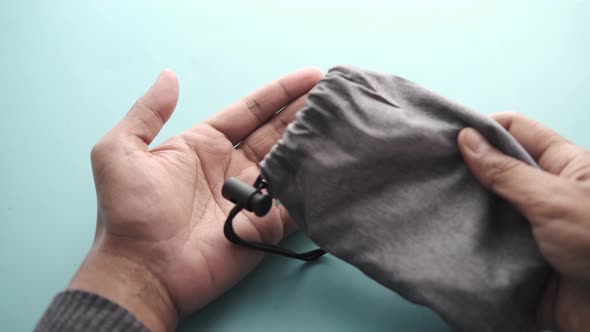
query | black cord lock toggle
[251, 198]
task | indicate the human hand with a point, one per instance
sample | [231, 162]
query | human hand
[159, 248]
[556, 201]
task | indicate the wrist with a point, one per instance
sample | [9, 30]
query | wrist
[573, 307]
[565, 306]
[130, 284]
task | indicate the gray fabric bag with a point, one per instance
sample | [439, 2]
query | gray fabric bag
[370, 170]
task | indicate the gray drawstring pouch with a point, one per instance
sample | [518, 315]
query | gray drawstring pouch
[370, 170]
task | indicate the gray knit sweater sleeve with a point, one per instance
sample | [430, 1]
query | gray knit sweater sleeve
[75, 310]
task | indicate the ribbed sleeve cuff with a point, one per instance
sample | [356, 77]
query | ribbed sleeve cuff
[76, 310]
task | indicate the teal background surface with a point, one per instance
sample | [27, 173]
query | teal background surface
[71, 69]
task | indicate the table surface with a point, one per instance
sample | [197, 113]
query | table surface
[71, 69]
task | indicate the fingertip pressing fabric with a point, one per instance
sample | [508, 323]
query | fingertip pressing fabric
[370, 170]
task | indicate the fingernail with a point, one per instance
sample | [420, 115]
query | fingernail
[474, 141]
[160, 76]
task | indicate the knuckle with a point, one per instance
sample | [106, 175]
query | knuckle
[550, 206]
[581, 167]
[513, 114]
[145, 107]
[285, 90]
[560, 210]
[98, 150]
[552, 201]
[499, 171]
[103, 148]
[249, 150]
[254, 107]
[278, 125]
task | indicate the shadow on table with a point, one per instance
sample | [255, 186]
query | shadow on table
[328, 295]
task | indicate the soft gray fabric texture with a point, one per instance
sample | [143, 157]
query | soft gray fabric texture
[77, 311]
[370, 170]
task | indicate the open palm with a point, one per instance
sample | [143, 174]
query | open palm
[162, 208]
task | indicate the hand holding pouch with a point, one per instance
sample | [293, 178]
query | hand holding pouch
[370, 170]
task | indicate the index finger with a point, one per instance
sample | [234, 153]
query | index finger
[238, 120]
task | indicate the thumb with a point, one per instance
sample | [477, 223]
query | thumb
[149, 114]
[524, 186]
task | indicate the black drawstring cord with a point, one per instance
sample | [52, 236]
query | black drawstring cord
[252, 199]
